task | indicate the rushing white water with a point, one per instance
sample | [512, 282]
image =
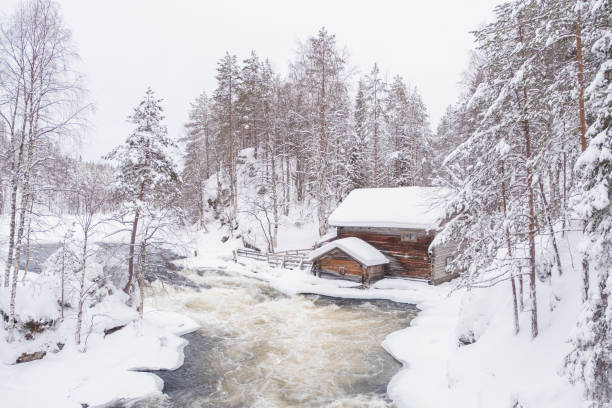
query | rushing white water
[259, 348]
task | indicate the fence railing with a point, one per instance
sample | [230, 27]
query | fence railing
[292, 259]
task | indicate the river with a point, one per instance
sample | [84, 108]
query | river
[257, 347]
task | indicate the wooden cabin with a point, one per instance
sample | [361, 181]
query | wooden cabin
[401, 224]
[350, 258]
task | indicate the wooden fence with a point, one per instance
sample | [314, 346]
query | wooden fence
[292, 259]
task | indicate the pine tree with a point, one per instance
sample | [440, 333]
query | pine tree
[320, 72]
[409, 151]
[197, 158]
[374, 91]
[358, 164]
[146, 174]
[591, 359]
[225, 114]
[248, 104]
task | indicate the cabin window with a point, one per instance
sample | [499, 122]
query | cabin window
[410, 236]
[449, 260]
[342, 270]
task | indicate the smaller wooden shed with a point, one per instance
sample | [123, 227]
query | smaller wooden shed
[350, 258]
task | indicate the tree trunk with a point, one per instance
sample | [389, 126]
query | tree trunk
[13, 212]
[28, 234]
[25, 197]
[583, 143]
[531, 233]
[82, 290]
[274, 203]
[514, 299]
[550, 227]
[127, 287]
[375, 141]
[233, 189]
[141, 275]
[521, 290]
[63, 279]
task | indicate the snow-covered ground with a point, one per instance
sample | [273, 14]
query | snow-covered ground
[67, 376]
[499, 369]
[105, 372]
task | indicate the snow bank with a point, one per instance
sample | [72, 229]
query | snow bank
[66, 376]
[401, 207]
[357, 248]
[498, 369]
[106, 371]
[45, 308]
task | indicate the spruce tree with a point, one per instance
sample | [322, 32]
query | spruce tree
[146, 174]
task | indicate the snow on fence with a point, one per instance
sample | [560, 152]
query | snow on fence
[292, 259]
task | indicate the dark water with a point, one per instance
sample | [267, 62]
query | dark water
[159, 260]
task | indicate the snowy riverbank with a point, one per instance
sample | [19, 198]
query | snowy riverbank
[106, 372]
[439, 370]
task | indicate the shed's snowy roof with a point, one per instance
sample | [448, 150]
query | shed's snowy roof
[399, 207]
[358, 249]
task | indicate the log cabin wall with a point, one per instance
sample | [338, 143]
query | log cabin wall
[443, 254]
[408, 258]
[337, 262]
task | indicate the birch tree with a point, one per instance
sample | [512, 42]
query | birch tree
[39, 98]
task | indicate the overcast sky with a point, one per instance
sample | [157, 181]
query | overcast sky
[173, 46]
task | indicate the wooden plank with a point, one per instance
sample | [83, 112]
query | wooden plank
[408, 258]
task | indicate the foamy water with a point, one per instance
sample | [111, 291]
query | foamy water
[259, 348]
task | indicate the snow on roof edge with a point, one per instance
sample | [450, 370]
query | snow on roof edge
[357, 248]
[396, 207]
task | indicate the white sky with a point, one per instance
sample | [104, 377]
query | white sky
[173, 46]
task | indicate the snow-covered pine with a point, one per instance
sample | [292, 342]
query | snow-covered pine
[225, 115]
[145, 175]
[320, 69]
[374, 91]
[409, 155]
[198, 159]
[591, 361]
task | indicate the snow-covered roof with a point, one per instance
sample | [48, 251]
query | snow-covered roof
[327, 237]
[399, 207]
[358, 249]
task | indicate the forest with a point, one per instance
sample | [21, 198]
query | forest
[526, 151]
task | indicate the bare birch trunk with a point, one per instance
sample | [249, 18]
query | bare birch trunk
[25, 197]
[13, 212]
[28, 237]
[531, 235]
[82, 289]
